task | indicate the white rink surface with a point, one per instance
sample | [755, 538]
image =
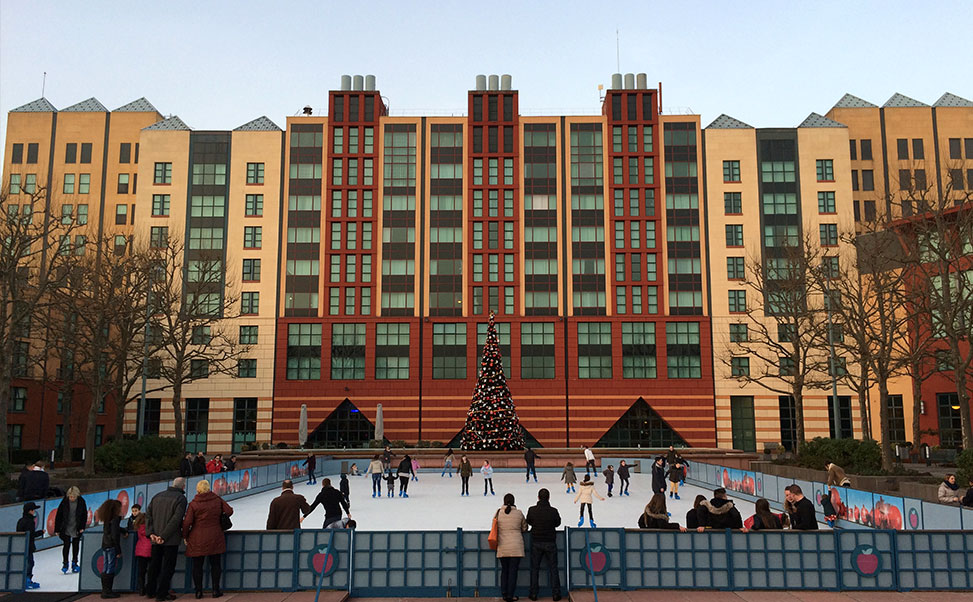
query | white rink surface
[434, 503]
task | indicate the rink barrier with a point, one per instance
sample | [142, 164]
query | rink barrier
[866, 509]
[460, 564]
[13, 561]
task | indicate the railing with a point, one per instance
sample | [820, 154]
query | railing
[13, 561]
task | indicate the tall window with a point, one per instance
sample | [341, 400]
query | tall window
[252, 237]
[735, 269]
[303, 351]
[826, 202]
[825, 170]
[160, 205]
[244, 422]
[896, 420]
[348, 352]
[788, 422]
[734, 235]
[683, 350]
[449, 351]
[254, 205]
[950, 420]
[246, 368]
[251, 270]
[738, 301]
[255, 173]
[537, 350]
[250, 303]
[731, 171]
[163, 173]
[732, 203]
[392, 351]
[638, 350]
[839, 417]
[594, 350]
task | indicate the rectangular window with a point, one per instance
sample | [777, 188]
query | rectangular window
[68, 183]
[739, 366]
[252, 237]
[839, 417]
[868, 180]
[303, 351]
[449, 351]
[246, 368]
[732, 203]
[30, 183]
[896, 416]
[15, 184]
[17, 153]
[826, 202]
[158, 237]
[738, 301]
[739, 333]
[902, 146]
[18, 399]
[160, 205]
[825, 170]
[870, 213]
[537, 350]
[121, 214]
[594, 350]
[125, 152]
[392, 347]
[683, 350]
[955, 148]
[254, 205]
[734, 235]
[199, 369]
[250, 303]
[866, 148]
[917, 149]
[85, 153]
[905, 179]
[32, 149]
[919, 180]
[251, 270]
[84, 183]
[735, 268]
[853, 150]
[731, 171]
[348, 352]
[163, 173]
[638, 350]
[249, 335]
[829, 234]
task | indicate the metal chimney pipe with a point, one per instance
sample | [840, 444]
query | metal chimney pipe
[358, 82]
[370, 83]
[642, 81]
[616, 81]
[481, 83]
[494, 82]
[346, 82]
[629, 81]
[505, 81]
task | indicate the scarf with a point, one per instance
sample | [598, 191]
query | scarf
[950, 485]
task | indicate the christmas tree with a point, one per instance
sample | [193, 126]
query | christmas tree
[492, 422]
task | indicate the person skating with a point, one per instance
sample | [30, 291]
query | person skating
[345, 488]
[448, 464]
[589, 461]
[163, 526]
[530, 457]
[143, 547]
[609, 474]
[544, 520]
[949, 490]
[405, 470]
[586, 494]
[390, 481]
[286, 509]
[656, 516]
[803, 518]
[415, 469]
[623, 476]
[676, 475]
[569, 477]
[332, 501]
[28, 524]
[312, 463]
[69, 523]
[659, 475]
[465, 470]
[202, 530]
[375, 469]
[486, 471]
[387, 456]
[718, 513]
[511, 525]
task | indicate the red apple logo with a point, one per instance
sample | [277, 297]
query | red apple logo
[50, 522]
[322, 561]
[123, 498]
[866, 562]
[595, 558]
[913, 518]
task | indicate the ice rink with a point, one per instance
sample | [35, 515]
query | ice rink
[434, 503]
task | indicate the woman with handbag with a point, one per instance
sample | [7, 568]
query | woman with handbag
[509, 525]
[202, 528]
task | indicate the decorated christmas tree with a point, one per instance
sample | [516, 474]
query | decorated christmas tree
[492, 422]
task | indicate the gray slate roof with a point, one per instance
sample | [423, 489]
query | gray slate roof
[951, 100]
[92, 105]
[820, 121]
[725, 122]
[850, 101]
[41, 105]
[901, 100]
[260, 124]
[137, 106]
[172, 123]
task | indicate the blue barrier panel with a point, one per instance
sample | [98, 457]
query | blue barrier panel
[773, 560]
[966, 515]
[140, 496]
[13, 561]
[867, 559]
[940, 516]
[257, 560]
[479, 570]
[913, 514]
[769, 486]
[405, 562]
[663, 559]
[315, 559]
[9, 515]
[604, 550]
[153, 489]
[92, 564]
[935, 560]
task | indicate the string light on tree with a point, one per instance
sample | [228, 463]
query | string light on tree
[492, 423]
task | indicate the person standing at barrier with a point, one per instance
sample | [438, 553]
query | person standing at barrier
[586, 494]
[511, 525]
[719, 512]
[448, 464]
[286, 509]
[949, 490]
[215, 465]
[486, 471]
[803, 518]
[203, 531]
[199, 464]
[230, 465]
[544, 520]
[69, 523]
[332, 501]
[659, 475]
[569, 477]
[110, 515]
[405, 470]
[375, 469]
[163, 526]
[589, 461]
[692, 517]
[623, 476]
[312, 463]
[763, 518]
[609, 475]
[465, 470]
[677, 473]
[837, 476]
[656, 516]
[143, 547]
[186, 466]
[36, 482]
[967, 500]
[530, 457]
[28, 524]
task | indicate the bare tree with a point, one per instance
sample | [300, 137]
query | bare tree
[785, 324]
[190, 305]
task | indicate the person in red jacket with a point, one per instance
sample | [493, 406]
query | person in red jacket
[202, 529]
[215, 465]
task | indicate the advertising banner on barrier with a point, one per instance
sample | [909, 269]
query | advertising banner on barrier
[741, 481]
[231, 482]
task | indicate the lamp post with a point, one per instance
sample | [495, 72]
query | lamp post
[831, 358]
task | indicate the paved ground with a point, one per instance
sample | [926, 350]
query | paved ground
[326, 596]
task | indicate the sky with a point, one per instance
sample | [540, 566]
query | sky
[218, 64]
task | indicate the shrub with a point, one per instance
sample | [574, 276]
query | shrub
[964, 465]
[5, 469]
[398, 443]
[855, 456]
[139, 456]
[423, 443]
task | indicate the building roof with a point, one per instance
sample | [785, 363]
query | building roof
[139, 105]
[171, 123]
[92, 105]
[951, 100]
[901, 100]
[260, 124]
[41, 105]
[850, 101]
[725, 122]
[820, 121]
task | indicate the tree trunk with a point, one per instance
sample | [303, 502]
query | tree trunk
[883, 422]
[120, 418]
[89, 436]
[799, 411]
[863, 404]
[177, 411]
[916, 406]
[67, 395]
[964, 408]
[6, 377]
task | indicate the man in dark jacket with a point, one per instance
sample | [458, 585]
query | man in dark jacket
[718, 513]
[333, 501]
[199, 464]
[28, 524]
[802, 518]
[22, 481]
[311, 462]
[36, 482]
[230, 464]
[186, 466]
[967, 500]
[544, 520]
[659, 475]
[286, 509]
[164, 528]
[530, 457]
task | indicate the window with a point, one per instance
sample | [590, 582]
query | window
[17, 153]
[18, 399]
[870, 214]
[158, 237]
[905, 179]
[735, 269]
[199, 369]
[786, 366]
[734, 235]
[252, 237]
[594, 350]
[739, 333]
[67, 214]
[246, 368]
[32, 149]
[825, 170]
[201, 335]
[68, 187]
[160, 205]
[896, 416]
[738, 301]
[777, 171]
[731, 171]
[248, 335]
[449, 351]
[250, 303]
[638, 350]
[788, 422]
[902, 146]
[209, 174]
[255, 173]
[15, 435]
[244, 422]
[829, 235]
[251, 270]
[15, 184]
[85, 153]
[206, 238]
[917, 149]
[125, 152]
[839, 417]
[163, 173]
[919, 179]
[780, 203]
[392, 348]
[683, 350]
[866, 150]
[868, 179]
[121, 214]
[254, 205]
[303, 351]
[739, 366]
[30, 183]
[826, 202]
[854, 150]
[84, 183]
[950, 420]
[537, 350]
[732, 203]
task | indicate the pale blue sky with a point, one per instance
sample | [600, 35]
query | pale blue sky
[218, 64]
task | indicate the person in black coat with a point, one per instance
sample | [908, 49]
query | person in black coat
[718, 513]
[332, 501]
[405, 471]
[230, 464]
[530, 457]
[70, 525]
[28, 524]
[802, 516]
[186, 466]
[22, 481]
[110, 514]
[312, 463]
[655, 515]
[199, 464]
[692, 517]
[623, 476]
[345, 488]
[763, 518]
[36, 483]
[967, 500]
[659, 475]
[544, 520]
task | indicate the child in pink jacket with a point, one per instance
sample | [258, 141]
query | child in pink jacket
[143, 547]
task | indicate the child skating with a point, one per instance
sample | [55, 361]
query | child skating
[623, 477]
[390, 481]
[569, 477]
[677, 473]
[415, 469]
[487, 472]
[465, 470]
[448, 464]
[586, 493]
[609, 478]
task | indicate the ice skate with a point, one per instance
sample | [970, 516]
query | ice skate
[581, 521]
[592, 524]
[64, 569]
